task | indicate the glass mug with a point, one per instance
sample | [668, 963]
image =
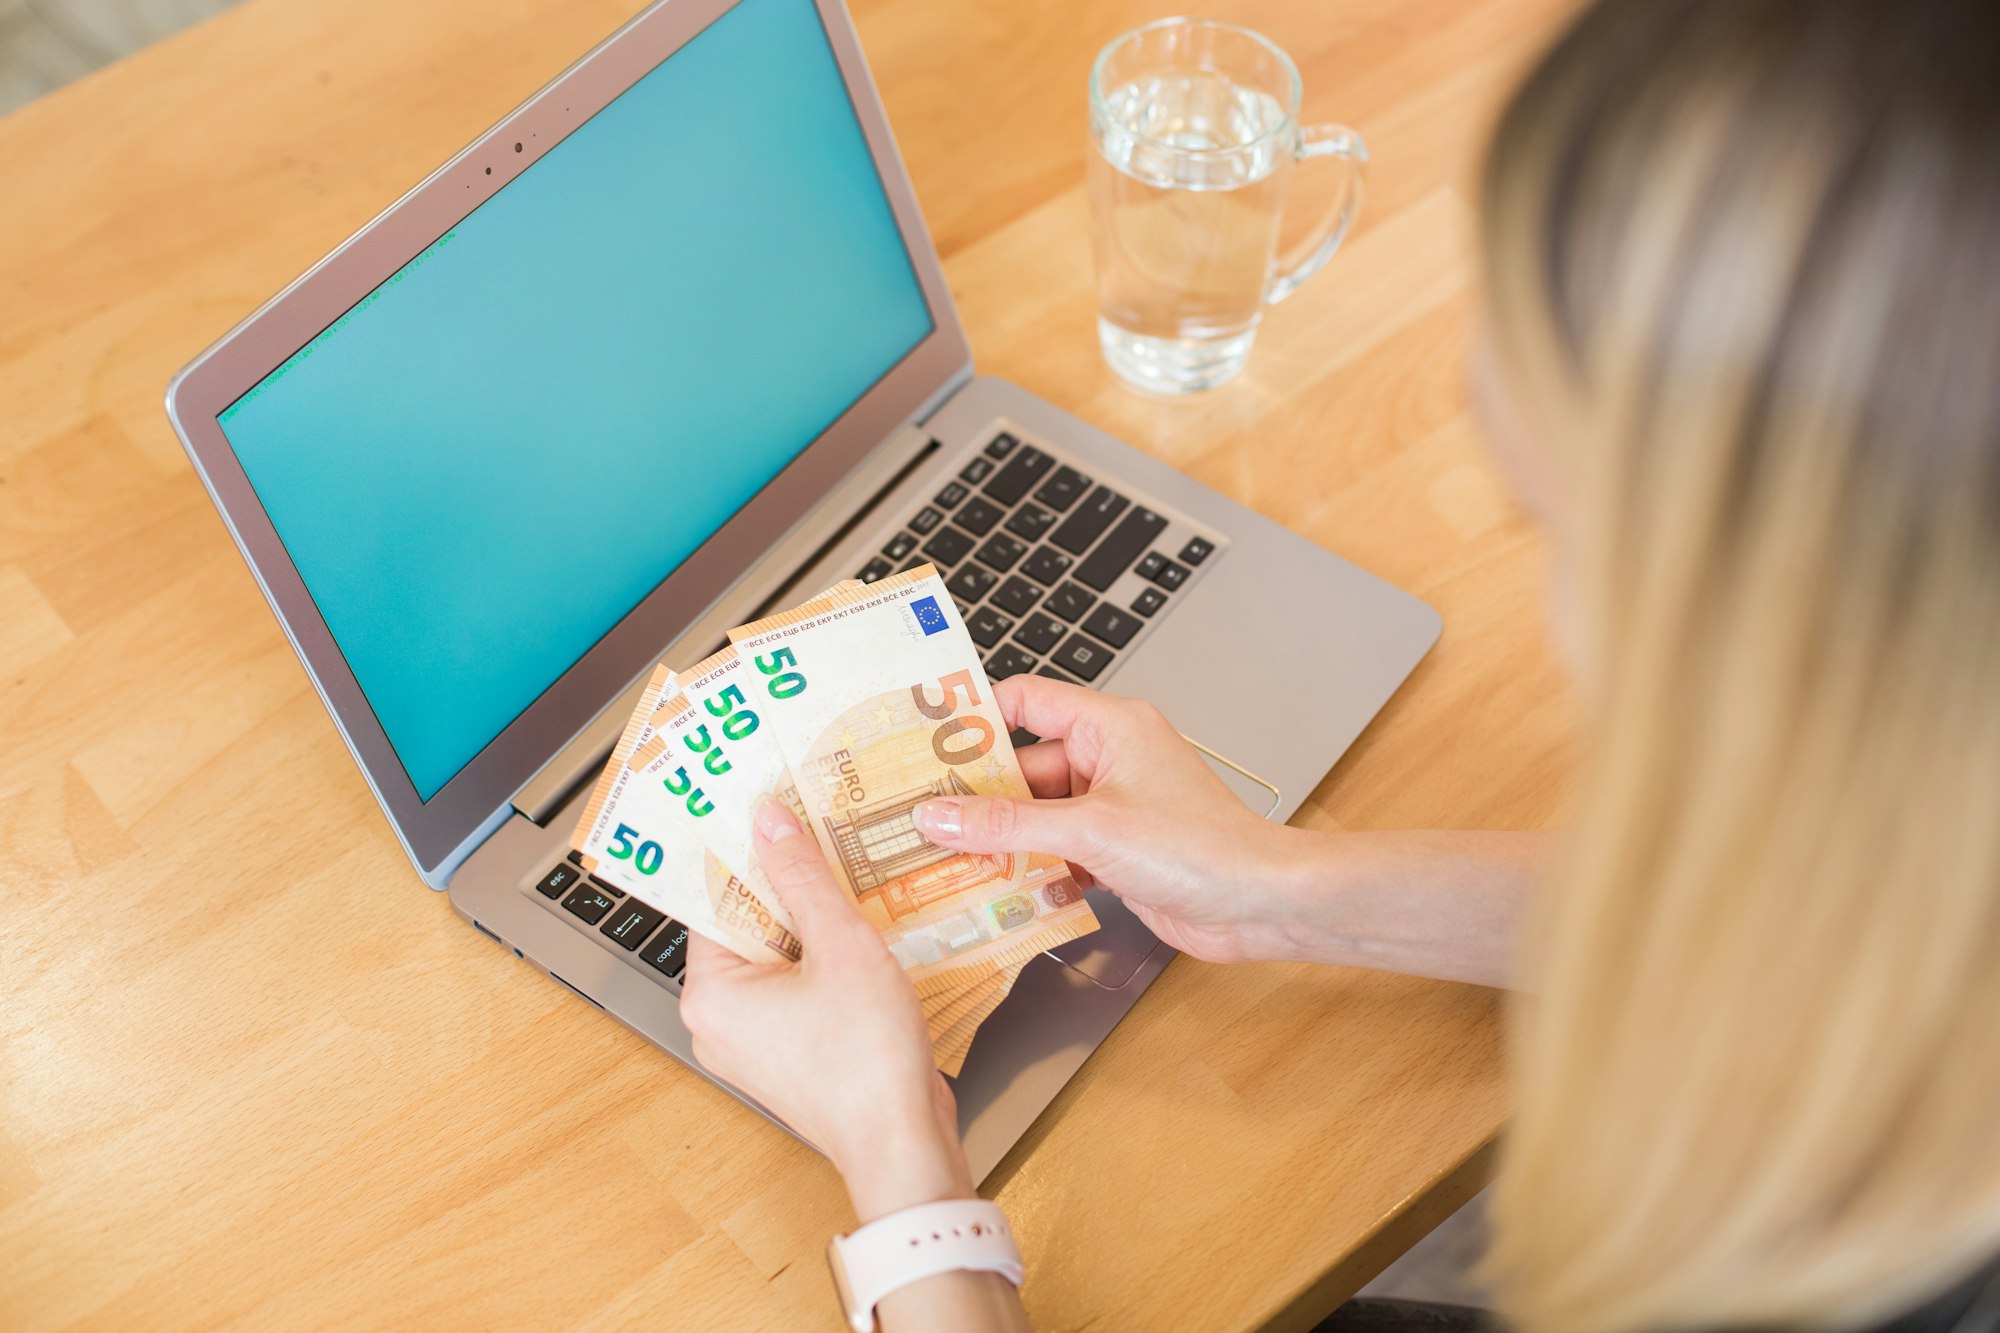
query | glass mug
[1194, 134]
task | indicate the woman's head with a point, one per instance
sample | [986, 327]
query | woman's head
[1744, 266]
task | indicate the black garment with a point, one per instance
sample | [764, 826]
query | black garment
[1971, 1307]
[1371, 1315]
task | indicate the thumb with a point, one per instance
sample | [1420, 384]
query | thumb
[806, 888]
[1066, 828]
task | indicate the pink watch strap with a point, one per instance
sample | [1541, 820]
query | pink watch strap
[917, 1243]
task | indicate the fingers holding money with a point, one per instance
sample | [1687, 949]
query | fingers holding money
[706, 958]
[1046, 767]
[1086, 722]
[797, 869]
[1068, 829]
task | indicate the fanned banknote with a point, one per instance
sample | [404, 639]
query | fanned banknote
[710, 745]
[879, 703]
[634, 835]
[713, 744]
[639, 830]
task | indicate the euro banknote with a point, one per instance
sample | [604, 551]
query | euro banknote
[875, 697]
[879, 703]
[634, 834]
[712, 747]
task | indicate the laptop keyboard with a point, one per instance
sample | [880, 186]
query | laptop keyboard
[1055, 572]
[626, 924]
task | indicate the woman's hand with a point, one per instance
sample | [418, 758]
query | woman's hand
[1147, 818]
[835, 1045]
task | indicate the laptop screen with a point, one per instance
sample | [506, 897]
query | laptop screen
[493, 457]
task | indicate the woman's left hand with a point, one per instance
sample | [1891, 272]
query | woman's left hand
[836, 1045]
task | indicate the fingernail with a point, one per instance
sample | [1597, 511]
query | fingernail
[776, 822]
[938, 819]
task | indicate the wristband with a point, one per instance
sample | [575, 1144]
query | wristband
[908, 1246]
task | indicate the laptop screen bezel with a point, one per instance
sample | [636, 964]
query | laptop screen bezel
[432, 830]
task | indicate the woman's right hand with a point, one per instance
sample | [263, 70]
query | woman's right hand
[1145, 816]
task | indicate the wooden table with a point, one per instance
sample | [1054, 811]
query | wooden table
[250, 1070]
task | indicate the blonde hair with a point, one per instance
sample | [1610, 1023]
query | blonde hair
[1744, 259]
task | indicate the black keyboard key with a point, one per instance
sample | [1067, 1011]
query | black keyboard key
[1023, 738]
[1001, 445]
[1030, 521]
[978, 517]
[1150, 567]
[1001, 552]
[948, 546]
[1016, 479]
[1017, 596]
[949, 497]
[632, 923]
[1040, 632]
[1148, 601]
[900, 546]
[926, 519]
[1171, 576]
[1069, 602]
[1115, 554]
[970, 584]
[1090, 520]
[1113, 626]
[1053, 674]
[559, 881]
[914, 562]
[1064, 489]
[608, 887]
[987, 626]
[575, 857]
[1197, 550]
[878, 568]
[589, 904]
[1046, 566]
[1083, 658]
[1007, 660]
[668, 951]
[975, 472]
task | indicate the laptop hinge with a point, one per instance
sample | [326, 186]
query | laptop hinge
[763, 587]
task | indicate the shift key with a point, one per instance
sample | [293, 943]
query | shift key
[1115, 554]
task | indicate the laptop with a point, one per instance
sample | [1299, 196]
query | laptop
[665, 349]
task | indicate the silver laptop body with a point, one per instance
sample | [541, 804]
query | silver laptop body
[1070, 552]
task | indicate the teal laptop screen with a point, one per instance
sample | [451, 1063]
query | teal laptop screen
[494, 456]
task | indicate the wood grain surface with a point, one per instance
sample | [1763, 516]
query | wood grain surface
[253, 1073]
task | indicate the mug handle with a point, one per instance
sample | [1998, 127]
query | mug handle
[1309, 255]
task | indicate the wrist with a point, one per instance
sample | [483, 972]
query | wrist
[1289, 869]
[903, 1162]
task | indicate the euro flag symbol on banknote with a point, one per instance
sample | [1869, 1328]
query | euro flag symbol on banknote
[929, 618]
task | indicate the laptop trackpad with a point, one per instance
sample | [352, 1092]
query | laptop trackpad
[1112, 954]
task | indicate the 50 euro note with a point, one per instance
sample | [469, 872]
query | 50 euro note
[633, 834]
[712, 744]
[878, 702]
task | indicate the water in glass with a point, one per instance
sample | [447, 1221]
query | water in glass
[1187, 187]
